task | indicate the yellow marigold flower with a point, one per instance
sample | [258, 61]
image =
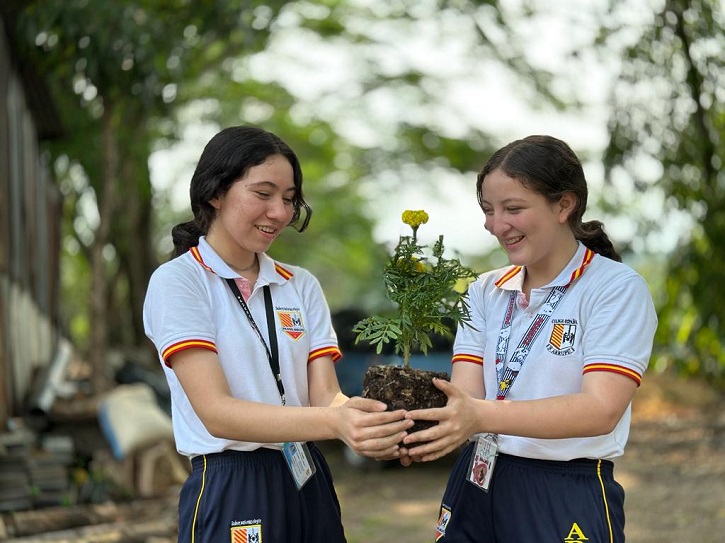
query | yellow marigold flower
[415, 218]
[412, 264]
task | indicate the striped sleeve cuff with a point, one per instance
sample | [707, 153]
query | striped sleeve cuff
[186, 344]
[332, 351]
[463, 357]
[601, 366]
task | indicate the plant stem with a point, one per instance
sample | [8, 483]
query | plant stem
[406, 354]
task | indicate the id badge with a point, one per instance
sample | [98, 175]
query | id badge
[299, 461]
[483, 461]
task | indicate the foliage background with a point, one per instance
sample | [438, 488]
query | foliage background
[132, 78]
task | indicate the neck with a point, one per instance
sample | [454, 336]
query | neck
[250, 267]
[240, 261]
[544, 273]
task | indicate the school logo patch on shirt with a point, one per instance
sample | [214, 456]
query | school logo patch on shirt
[291, 322]
[251, 533]
[563, 334]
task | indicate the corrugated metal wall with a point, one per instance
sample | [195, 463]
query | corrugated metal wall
[30, 207]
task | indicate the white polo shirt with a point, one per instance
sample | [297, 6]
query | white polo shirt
[189, 304]
[605, 322]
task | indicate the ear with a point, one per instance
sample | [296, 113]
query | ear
[566, 205]
[215, 203]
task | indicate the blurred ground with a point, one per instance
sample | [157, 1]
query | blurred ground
[673, 473]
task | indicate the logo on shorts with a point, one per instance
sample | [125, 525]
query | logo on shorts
[443, 519]
[291, 322]
[251, 533]
[563, 333]
[575, 534]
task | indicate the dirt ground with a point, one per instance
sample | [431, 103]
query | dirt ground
[673, 473]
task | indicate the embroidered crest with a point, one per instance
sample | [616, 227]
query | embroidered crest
[563, 334]
[247, 534]
[291, 322]
[443, 520]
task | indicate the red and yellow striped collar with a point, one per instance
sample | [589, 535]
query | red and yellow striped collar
[586, 260]
[283, 272]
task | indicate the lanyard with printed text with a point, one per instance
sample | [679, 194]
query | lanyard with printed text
[272, 353]
[506, 374]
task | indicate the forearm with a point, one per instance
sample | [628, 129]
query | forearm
[595, 410]
[572, 415]
[240, 420]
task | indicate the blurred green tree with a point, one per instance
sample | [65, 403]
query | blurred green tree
[668, 111]
[114, 69]
[124, 73]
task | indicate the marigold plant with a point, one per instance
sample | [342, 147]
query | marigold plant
[428, 293]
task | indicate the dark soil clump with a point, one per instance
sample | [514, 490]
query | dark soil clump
[405, 388]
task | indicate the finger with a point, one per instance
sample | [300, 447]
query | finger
[377, 437]
[433, 450]
[435, 413]
[423, 454]
[391, 429]
[388, 416]
[366, 404]
[446, 386]
[422, 436]
[369, 428]
[380, 449]
[401, 453]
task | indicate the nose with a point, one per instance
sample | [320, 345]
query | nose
[279, 209]
[496, 224]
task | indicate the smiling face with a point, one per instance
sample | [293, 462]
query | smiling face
[533, 231]
[253, 212]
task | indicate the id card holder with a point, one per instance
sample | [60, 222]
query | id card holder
[480, 469]
[299, 461]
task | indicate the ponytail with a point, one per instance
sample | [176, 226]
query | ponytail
[185, 236]
[592, 235]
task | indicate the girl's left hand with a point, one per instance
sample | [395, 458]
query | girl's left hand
[456, 423]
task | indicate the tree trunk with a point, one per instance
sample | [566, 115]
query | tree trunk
[106, 202]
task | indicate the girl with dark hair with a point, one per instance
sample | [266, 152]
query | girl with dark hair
[543, 377]
[248, 347]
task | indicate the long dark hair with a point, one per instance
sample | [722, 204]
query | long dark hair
[549, 167]
[226, 158]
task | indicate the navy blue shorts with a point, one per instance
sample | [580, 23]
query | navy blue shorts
[250, 497]
[533, 501]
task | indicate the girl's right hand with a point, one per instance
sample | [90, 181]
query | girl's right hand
[368, 429]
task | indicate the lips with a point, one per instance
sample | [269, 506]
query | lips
[512, 241]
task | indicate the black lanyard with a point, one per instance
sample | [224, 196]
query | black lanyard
[273, 353]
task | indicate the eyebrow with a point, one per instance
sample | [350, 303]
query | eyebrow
[507, 201]
[272, 185]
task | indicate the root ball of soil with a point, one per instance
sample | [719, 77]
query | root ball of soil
[403, 387]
